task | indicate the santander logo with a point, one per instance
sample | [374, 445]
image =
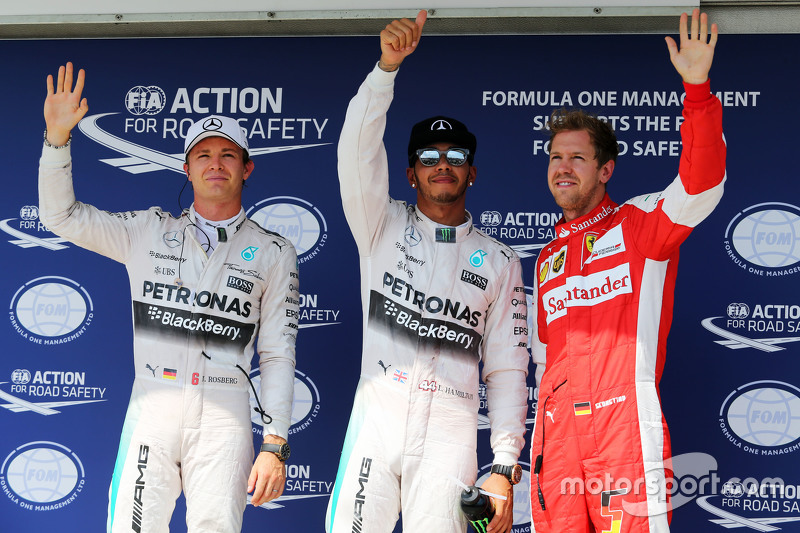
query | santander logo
[584, 291]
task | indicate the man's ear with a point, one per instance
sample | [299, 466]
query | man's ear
[248, 169]
[606, 171]
[412, 178]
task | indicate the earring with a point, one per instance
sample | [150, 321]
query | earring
[470, 184]
[413, 185]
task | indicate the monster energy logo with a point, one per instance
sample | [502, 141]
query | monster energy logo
[445, 234]
[480, 525]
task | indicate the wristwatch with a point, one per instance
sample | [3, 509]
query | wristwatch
[512, 472]
[282, 451]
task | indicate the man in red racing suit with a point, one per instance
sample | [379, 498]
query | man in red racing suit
[603, 308]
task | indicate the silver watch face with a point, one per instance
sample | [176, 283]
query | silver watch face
[285, 452]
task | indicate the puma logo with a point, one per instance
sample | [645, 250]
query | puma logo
[151, 369]
[384, 367]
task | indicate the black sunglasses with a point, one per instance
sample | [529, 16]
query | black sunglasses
[431, 156]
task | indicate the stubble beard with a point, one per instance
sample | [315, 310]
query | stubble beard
[445, 197]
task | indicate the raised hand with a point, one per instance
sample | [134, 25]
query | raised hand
[63, 107]
[399, 39]
[693, 60]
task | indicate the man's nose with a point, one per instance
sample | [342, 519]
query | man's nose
[564, 166]
[443, 162]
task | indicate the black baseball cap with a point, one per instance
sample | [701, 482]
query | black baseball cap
[440, 129]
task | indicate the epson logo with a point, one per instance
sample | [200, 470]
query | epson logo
[474, 279]
[240, 284]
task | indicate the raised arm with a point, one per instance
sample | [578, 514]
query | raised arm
[697, 190]
[64, 107]
[693, 59]
[362, 162]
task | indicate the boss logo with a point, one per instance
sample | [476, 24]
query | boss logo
[240, 284]
[474, 279]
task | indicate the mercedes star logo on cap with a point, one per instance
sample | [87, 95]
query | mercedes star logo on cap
[212, 124]
[441, 125]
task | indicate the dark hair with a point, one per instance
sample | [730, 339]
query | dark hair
[600, 132]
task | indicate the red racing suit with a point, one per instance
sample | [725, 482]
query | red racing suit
[603, 309]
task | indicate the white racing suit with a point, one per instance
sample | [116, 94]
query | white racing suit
[195, 318]
[436, 301]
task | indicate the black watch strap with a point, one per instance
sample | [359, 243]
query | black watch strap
[282, 451]
[512, 472]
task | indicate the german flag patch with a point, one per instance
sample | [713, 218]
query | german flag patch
[582, 408]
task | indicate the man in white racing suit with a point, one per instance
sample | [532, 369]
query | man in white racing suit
[438, 297]
[206, 288]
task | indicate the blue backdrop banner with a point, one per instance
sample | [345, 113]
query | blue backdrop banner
[731, 387]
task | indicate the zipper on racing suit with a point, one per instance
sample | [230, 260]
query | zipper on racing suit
[539, 458]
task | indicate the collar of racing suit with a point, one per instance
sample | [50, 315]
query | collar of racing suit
[231, 229]
[605, 208]
[430, 227]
